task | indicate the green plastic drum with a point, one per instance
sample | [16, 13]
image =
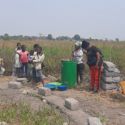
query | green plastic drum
[69, 73]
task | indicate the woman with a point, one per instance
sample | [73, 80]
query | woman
[95, 63]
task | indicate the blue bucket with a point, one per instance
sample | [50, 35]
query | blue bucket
[62, 88]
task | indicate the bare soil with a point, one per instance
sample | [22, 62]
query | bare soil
[110, 110]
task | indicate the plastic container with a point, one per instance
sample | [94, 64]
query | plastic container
[50, 86]
[69, 73]
[62, 87]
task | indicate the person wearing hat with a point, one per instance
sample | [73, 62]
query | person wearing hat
[77, 56]
[95, 63]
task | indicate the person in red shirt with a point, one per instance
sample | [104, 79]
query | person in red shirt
[24, 60]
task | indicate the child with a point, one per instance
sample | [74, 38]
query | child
[24, 60]
[78, 58]
[2, 69]
[30, 65]
[18, 47]
[17, 63]
[38, 60]
[35, 47]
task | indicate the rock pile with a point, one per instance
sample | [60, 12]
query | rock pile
[110, 76]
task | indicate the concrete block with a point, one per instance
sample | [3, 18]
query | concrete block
[44, 91]
[106, 86]
[71, 104]
[107, 79]
[111, 79]
[94, 121]
[109, 64]
[116, 79]
[14, 85]
[106, 73]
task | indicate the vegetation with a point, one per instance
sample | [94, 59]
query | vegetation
[23, 115]
[56, 50]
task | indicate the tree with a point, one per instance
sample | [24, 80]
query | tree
[117, 39]
[50, 37]
[76, 37]
[6, 36]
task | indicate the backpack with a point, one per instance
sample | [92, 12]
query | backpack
[91, 56]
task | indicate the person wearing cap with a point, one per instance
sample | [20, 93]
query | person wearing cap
[95, 63]
[77, 56]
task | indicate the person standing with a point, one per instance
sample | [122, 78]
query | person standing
[24, 60]
[37, 61]
[17, 63]
[78, 58]
[34, 78]
[2, 69]
[95, 63]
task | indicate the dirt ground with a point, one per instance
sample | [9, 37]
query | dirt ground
[111, 111]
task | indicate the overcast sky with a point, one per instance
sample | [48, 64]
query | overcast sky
[89, 18]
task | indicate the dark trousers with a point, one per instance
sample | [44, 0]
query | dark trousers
[18, 72]
[34, 75]
[25, 69]
[80, 69]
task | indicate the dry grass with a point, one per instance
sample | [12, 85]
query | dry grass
[55, 51]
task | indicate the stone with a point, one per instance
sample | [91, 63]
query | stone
[52, 78]
[14, 85]
[25, 92]
[44, 91]
[22, 80]
[71, 104]
[94, 121]
[65, 123]
[3, 123]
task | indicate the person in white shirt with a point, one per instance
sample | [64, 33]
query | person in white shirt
[78, 58]
[17, 64]
[37, 61]
[2, 69]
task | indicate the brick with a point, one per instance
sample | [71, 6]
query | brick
[15, 85]
[71, 104]
[44, 91]
[94, 121]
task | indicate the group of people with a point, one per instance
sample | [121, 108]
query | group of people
[29, 64]
[94, 59]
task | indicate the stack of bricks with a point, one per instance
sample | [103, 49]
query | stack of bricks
[110, 76]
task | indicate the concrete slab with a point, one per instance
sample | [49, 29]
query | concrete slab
[79, 117]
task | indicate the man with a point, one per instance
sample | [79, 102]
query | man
[95, 63]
